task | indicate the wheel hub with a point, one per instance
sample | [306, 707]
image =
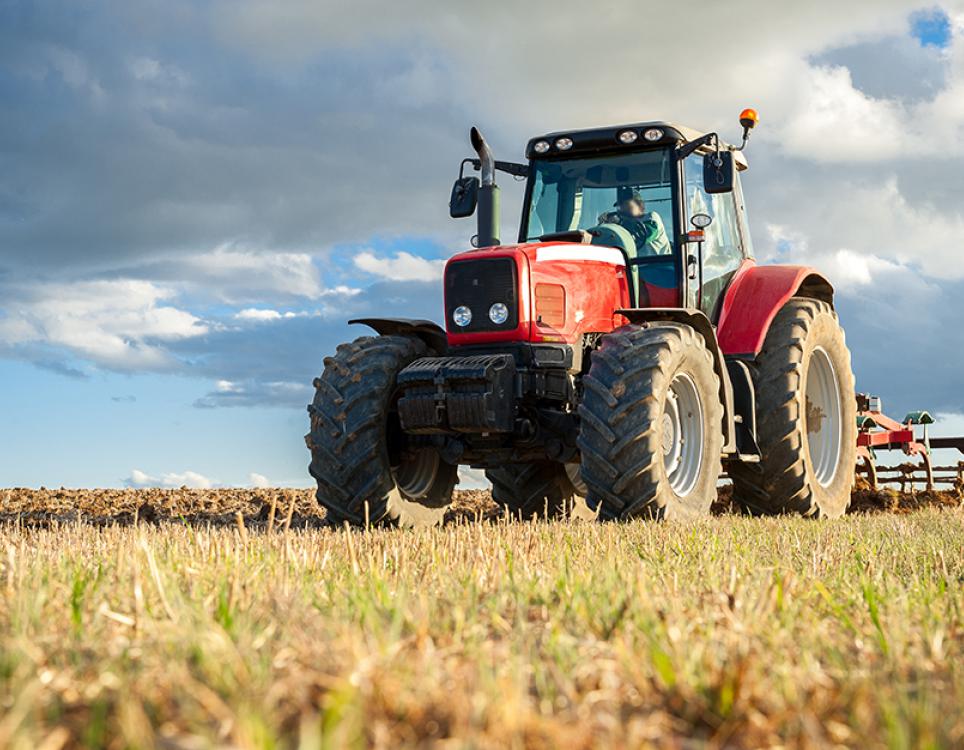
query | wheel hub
[416, 472]
[681, 433]
[823, 417]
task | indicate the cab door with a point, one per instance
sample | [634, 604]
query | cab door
[724, 248]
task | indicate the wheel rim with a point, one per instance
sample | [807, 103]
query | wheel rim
[824, 430]
[415, 475]
[682, 435]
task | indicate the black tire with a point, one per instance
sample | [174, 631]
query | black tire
[788, 479]
[627, 400]
[355, 441]
[534, 490]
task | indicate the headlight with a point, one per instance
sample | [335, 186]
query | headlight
[653, 134]
[540, 147]
[564, 144]
[462, 316]
[628, 136]
[498, 313]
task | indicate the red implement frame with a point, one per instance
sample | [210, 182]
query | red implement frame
[876, 431]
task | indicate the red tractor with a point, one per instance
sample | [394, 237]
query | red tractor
[624, 351]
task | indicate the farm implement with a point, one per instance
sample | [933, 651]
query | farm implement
[877, 432]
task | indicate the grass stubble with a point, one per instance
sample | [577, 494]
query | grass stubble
[735, 632]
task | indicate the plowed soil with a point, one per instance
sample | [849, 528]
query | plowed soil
[297, 507]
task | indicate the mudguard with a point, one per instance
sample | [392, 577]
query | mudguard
[755, 297]
[431, 333]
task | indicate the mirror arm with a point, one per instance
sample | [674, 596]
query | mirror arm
[688, 148]
[509, 167]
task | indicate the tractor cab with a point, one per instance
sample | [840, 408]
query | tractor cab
[666, 196]
[654, 192]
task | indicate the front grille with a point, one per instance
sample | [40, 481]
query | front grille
[478, 284]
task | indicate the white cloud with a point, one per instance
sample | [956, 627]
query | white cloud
[830, 120]
[258, 480]
[140, 479]
[236, 275]
[117, 324]
[254, 313]
[864, 228]
[403, 267]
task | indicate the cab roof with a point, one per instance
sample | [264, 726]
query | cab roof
[606, 139]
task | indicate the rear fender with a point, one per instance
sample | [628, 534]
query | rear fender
[755, 296]
[698, 321]
[429, 332]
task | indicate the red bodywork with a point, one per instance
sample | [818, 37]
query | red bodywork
[594, 286]
[594, 282]
[753, 299]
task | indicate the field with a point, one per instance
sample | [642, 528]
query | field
[235, 618]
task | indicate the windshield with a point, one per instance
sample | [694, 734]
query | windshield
[584, 193]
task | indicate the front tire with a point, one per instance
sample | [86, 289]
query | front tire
[651, 424]
[806, 417]
[359, 455]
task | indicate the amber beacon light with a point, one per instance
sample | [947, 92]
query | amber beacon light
[748, 119]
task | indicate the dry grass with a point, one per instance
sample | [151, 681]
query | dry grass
[734, 632]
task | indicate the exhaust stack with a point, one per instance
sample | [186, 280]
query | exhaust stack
[488, 216]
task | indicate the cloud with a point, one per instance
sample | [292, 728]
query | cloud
[139, 479]
[260, 315]
[234, 276]
[403, 267]
[118, 325]
[871, 219]
[255, 393]
[258, 480]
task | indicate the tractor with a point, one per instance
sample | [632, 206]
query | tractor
[624, 352]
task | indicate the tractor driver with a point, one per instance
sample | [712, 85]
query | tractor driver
[646, 228]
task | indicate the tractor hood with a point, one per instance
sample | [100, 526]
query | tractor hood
[549, 292]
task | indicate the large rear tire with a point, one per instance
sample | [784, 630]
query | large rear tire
[651, 424]
[541, 489]
[358, 453]
[806, 417]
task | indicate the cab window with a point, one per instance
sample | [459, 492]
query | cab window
[723, 247]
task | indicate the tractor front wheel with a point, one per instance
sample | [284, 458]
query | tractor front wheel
[367, 471]
[651, 424]
[806, 417]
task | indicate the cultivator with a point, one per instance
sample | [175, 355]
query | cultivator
[878, 432]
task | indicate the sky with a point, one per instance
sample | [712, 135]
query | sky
[196, 196]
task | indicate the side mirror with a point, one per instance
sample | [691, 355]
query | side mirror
[718, 172]
[465, 197]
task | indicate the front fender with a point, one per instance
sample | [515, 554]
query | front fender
[755, 297]
[431, 333]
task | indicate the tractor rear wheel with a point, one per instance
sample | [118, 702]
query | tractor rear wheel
[651, 424]
[541, 489]
[806, 417]
[365, 469]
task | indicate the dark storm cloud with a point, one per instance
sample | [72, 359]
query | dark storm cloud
[126, 140]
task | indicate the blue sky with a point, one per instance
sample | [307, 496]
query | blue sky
[195, 197]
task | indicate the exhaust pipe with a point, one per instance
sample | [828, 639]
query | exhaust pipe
[488, 216]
